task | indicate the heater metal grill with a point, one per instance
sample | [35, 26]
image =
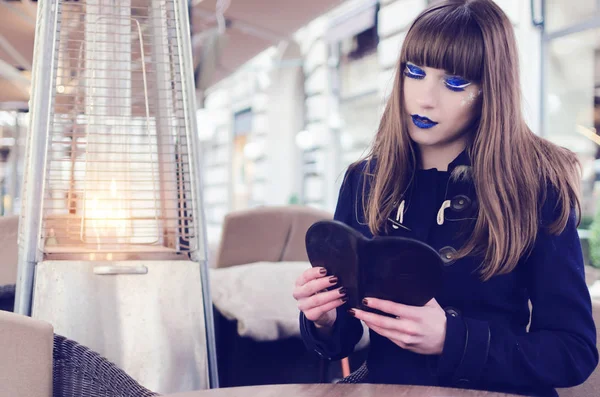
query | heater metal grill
[118, 167]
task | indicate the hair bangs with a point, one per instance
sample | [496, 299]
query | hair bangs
[449, 40]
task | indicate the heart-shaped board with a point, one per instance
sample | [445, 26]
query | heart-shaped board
[398, 269]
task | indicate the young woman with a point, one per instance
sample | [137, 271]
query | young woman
[453, 164]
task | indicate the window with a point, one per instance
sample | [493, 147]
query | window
[361, 45]
[356, 83]
[242, 168]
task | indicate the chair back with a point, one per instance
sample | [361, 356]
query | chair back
[26, 356]
[81, 372]
[9, 251]
[266, 234]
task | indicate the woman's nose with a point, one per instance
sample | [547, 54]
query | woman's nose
[427, 95]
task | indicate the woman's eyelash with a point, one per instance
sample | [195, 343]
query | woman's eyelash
[414, 72]
[457, 83]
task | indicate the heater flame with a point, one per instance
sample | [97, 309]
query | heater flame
[107, 216]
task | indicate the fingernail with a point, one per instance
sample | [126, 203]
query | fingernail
[365, 302]
[342, 291]
[352, 312]
[323, 271]
[333, 279]
[345, 299]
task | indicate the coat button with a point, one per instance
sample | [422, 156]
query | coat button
[460, 203]
[452, 311]
[448, 255]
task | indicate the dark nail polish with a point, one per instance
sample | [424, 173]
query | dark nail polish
[323, 271]
[352, 312]
[343, 291]
[365, 302]
[345, 299]
[333, 279]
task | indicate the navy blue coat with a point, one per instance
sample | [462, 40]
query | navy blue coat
[487, 345]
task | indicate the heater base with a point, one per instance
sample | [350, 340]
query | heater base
[147, 317]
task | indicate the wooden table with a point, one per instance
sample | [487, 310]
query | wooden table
[339, 390]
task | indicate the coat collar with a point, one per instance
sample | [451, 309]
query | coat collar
[462, 159]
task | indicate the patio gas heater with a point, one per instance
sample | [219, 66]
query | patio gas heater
[112, 244]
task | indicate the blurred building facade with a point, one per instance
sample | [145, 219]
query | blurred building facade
[571, 89]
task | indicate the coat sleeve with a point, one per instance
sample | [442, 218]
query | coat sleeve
[347, 330]
[560, 348]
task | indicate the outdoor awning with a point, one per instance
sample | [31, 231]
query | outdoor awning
[251, 27]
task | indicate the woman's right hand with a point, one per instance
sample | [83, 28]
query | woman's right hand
[318, 304]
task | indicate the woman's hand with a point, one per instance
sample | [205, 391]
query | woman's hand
[317, 304]
[418, 329]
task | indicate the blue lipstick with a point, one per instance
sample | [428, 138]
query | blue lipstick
[423, 122]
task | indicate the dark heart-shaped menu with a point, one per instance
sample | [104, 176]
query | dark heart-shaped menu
[398, 269]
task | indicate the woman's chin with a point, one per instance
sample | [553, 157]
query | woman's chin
[424, 137]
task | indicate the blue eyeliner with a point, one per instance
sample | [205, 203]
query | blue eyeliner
[414, 72]
[456, 83]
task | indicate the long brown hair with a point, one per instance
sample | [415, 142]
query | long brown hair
[511, 166]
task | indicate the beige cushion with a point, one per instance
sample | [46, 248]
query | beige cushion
[591, 387]
[9, 226]
[25, 356]
[263, 314]
[269, 234]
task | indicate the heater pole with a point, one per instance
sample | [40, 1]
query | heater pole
[199, 252]
[42, 98]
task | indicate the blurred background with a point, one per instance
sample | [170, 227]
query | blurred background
[290, 92]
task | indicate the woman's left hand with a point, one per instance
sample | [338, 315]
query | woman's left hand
[418, 329]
